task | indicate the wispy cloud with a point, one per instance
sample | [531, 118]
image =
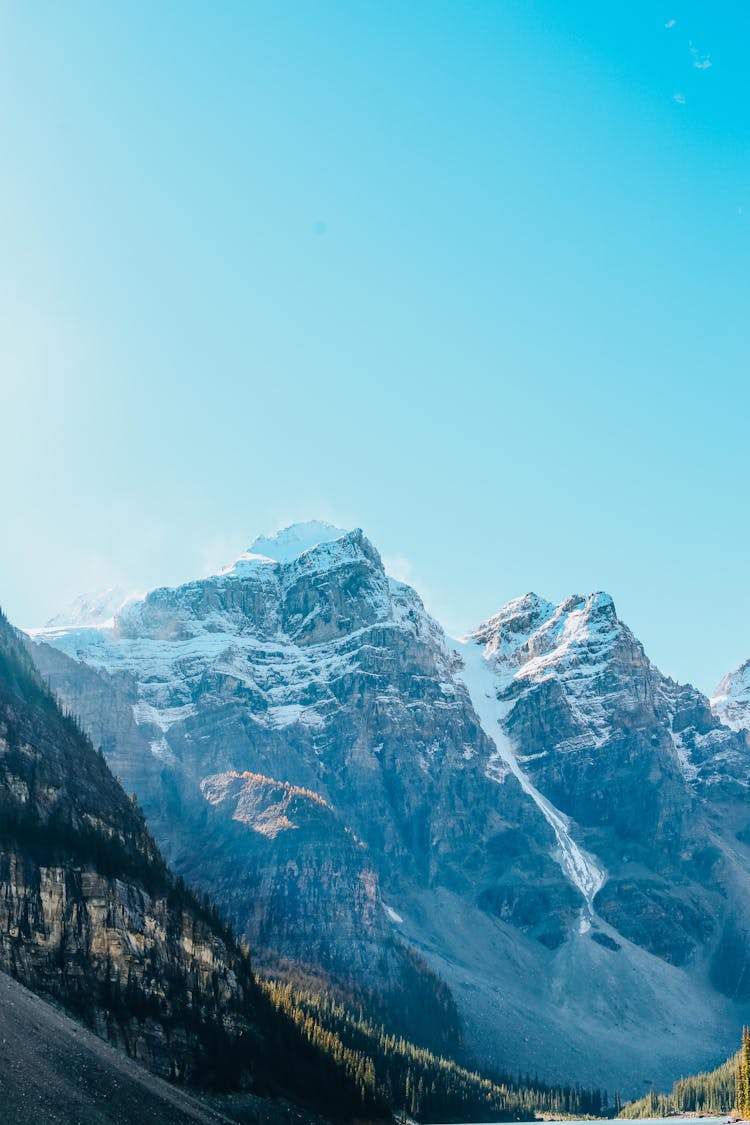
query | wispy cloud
[700, 62]
[400, 568]
[679, 98]
[403, 570]
[670, 23]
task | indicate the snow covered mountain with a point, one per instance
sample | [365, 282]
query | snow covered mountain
[649, 776]
[731, 700]
[535, 812]
[92, 609]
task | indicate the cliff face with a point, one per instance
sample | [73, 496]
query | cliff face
[88, 912]
[536, 811]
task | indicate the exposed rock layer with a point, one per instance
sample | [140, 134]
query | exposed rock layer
[88, 912]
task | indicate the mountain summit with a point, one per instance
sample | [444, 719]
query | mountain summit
[286, 545]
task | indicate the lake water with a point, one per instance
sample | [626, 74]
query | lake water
[639, 1120]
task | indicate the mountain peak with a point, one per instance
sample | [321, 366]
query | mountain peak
[731, 699]
[529, 629]
[288, 544]
[90, 610]
[517, 618]
[601, 602]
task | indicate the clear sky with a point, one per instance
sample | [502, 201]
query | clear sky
[473, 276]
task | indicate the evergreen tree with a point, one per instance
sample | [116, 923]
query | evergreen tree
[710, 1094]
[743, 1077]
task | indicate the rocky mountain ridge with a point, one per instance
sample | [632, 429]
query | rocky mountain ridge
[536, 812]
[731, 699]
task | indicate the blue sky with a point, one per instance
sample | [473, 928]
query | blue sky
[472, 276]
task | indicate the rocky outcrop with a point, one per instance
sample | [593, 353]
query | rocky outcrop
[295, 863]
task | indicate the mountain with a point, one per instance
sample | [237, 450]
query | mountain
[89, 913]
[76, 1077]
[638, 762]
[91, 919]
[731, 700]
[95, 609]
[528, 836]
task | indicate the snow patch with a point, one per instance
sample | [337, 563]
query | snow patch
[287, 545]
[161, 717]
[731, 700]
[93, 610]
[160, 749]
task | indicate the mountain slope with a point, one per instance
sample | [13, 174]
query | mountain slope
[76, 1077]
[648, 775]
[89, 913]
[91, 917]
[535, 812]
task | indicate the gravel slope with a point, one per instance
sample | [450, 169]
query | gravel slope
[54, 1070]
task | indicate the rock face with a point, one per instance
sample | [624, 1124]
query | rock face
[536, 811]
[88, 911]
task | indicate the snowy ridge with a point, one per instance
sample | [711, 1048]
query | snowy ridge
[531, 640]
[482, 683]
[287, 545]
[180, 642]
[90, 610]
[731, 699]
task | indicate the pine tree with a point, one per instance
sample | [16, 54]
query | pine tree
[743, 1076]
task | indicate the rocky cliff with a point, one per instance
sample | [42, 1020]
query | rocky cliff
[88, 911]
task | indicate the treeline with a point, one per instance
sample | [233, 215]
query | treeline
[386, 1070]
[712, 1093]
